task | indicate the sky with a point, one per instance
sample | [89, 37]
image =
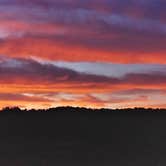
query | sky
[86, 53]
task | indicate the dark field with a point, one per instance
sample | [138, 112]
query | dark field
[83, 138]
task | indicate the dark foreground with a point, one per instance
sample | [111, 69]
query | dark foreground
[74, 138]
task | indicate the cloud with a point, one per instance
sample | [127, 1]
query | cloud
[132, 92]
[30, 81]
[113, 69]
[84, 30]
[51, 49]
[21, 98]
[28, 71]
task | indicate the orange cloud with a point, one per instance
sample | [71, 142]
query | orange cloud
[31, 84]
[53, 50]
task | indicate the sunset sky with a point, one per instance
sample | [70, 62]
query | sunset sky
[91, 53]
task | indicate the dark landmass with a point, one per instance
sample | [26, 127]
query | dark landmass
[68, 136]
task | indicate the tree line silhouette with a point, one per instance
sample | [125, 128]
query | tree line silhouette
[81, 109]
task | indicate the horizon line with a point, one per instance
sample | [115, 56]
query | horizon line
[16, 108]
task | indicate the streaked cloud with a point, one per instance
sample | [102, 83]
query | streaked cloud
[108, 31]
[31, 81]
